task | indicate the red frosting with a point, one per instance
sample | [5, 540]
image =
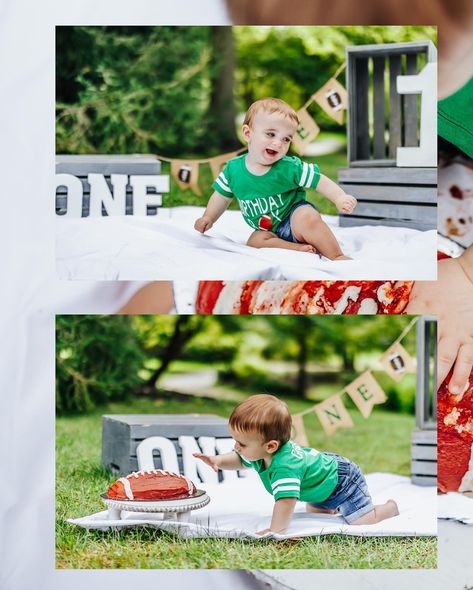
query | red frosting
[309, 297]
[151, 485]
[455, 437]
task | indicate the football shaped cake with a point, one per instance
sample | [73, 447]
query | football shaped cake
[455, 440]
[302, 297]
[151, 485]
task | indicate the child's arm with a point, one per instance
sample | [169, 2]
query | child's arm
[282, 514]
[225, 461]
[215, 207]
[344, 202]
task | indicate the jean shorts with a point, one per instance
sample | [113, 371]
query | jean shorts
[284, 230]
[351, 496]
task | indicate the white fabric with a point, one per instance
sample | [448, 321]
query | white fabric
[230, 514]
[166, 246]
[455, 506]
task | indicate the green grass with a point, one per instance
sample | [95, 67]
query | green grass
[380, 443]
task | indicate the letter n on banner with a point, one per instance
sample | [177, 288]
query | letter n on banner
[366, 392]
[333, 414]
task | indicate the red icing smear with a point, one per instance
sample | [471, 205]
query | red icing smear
[207, 296]
[246, 297]
[454, 448]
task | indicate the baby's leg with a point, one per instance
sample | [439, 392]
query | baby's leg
[266, 239]
[313, 509]
[308, 227]
[379, 513]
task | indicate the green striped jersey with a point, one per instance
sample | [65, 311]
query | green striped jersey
[296, 472]
[265, 201]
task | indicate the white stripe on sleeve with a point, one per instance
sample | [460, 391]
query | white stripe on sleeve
[286, 489]
[286, 480]
[224, 187]
[311, 176]
[305, 169]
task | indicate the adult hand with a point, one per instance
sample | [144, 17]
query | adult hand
[203, 224]
[450, 298]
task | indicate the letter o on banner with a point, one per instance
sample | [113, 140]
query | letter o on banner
[73, 185]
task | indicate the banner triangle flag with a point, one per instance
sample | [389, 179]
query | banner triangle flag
[366, 392]
[333, 414]
[396, 361]
[299, 434]
[305, 133]
[333, 98]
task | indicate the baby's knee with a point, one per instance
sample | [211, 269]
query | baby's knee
[258, 239]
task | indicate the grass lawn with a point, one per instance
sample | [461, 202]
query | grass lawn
[381, 443]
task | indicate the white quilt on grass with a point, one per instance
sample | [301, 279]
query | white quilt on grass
[239, 508]
[166, 247]
[455, 506]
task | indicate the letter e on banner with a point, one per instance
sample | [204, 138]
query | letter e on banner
[366, 392]
[306, 132]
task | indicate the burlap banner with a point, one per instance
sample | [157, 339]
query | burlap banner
[306, 132]
[299, 434]
[397, 362]
[333, 414]
[333, 98]
[186, 173]
[365, 393]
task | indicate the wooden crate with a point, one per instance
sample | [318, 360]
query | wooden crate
[424, 457]
[379, 120]
[405, 197]
[122, 433]
[81, 166]
[424, 437]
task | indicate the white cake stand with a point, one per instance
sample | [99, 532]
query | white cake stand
[171, 509]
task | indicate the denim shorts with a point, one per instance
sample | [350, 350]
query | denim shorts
[351, 496]
[284, 230]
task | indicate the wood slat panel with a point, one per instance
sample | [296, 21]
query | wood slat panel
[106, 164]
[395, 120]
[424, 467]
[354, 221]
[425, 436]
[424, 452]
[379, 148]
[362, 122]
[391, 175]
[420, 213]
[424, 480]
[410, 107]
[398, 194]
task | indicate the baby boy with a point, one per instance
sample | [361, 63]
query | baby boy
[270, 187]
[329, 483]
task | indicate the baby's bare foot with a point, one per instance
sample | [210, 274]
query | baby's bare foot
[306, 248]
[393, 508]
[342, 257]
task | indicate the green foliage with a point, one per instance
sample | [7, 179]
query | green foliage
[131, 89]
[97, 360]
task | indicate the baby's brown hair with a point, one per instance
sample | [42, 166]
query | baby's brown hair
[270, 105]
[264, 414]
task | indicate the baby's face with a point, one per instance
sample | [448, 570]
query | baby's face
[249, 444]
[269, 137]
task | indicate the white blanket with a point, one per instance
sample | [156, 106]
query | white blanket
[455, 506]
[167, 247]
[242, 507]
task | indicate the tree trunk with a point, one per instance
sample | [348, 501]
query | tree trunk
[348, 361]
[222, 111]
[184, 329]
[302, 362]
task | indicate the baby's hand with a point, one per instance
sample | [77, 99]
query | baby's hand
[345, 203]
[208, 460]
[203, 224]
